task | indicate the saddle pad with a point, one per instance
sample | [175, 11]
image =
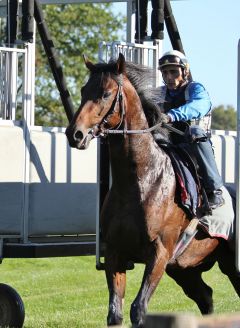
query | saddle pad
[188, 185]
[221, 222]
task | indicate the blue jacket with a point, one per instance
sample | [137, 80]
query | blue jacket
[197, 102]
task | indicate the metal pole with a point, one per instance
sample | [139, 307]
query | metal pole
[172, 28]
[27, 99]
[8, 23]
[238, 168]
[131, 12]
[138, 13]
[28, 20]
[53, 60]
[12, 24]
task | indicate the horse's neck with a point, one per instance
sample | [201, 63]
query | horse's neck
[135, 118]
[142, 146]
[137, 156]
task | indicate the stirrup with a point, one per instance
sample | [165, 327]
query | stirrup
[185, 238]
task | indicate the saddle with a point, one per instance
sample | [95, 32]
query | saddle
[190, 193]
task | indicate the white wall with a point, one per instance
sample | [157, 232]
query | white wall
[60, 195]
[62, 188]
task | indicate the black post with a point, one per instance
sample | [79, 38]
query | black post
[157, 19]
[27, 20]
[53, 60]
[172, 27]
[12, 24]
[173, 30]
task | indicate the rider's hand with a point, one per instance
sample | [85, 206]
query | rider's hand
[165, 118]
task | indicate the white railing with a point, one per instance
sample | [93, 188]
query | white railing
[17, 83]
[142, 54]
[224, 146]
[12, 63]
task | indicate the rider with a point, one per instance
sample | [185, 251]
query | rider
[187, 103]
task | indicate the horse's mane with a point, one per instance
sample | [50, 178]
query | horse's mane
[143, 80]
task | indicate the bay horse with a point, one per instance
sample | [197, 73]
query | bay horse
[140, 219]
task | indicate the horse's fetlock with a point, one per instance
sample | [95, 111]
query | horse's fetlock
[112, 308]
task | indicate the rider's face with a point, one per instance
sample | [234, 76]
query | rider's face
[172, 76]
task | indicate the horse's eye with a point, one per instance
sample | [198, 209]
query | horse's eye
[106, 95]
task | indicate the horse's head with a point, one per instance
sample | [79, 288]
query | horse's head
[101, 103]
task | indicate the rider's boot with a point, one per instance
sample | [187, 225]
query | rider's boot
[215, 199]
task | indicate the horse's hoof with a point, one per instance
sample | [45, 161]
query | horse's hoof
[137, 316]
[140, 325]
[113, 320]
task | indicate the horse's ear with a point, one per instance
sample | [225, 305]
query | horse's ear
[121, 63]
[88, 63]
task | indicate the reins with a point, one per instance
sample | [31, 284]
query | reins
[148, 130]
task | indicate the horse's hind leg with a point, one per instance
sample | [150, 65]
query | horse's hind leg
[194, 287]
[226, 264]
[116, 280]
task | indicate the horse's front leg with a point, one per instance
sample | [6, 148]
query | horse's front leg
[116, 279]
[154, 269]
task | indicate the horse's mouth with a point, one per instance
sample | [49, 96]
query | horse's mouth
[84, 143]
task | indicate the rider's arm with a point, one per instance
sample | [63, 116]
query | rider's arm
[197, 105]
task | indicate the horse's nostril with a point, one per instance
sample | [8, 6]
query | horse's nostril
[78, 135]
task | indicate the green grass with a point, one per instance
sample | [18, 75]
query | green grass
[69, 292]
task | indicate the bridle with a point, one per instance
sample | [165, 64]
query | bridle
[99, 131]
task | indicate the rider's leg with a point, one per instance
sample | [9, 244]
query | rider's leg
[211, 178]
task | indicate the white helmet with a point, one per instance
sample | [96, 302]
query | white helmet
[174, 57]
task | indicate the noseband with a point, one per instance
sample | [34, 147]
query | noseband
[99, 129]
